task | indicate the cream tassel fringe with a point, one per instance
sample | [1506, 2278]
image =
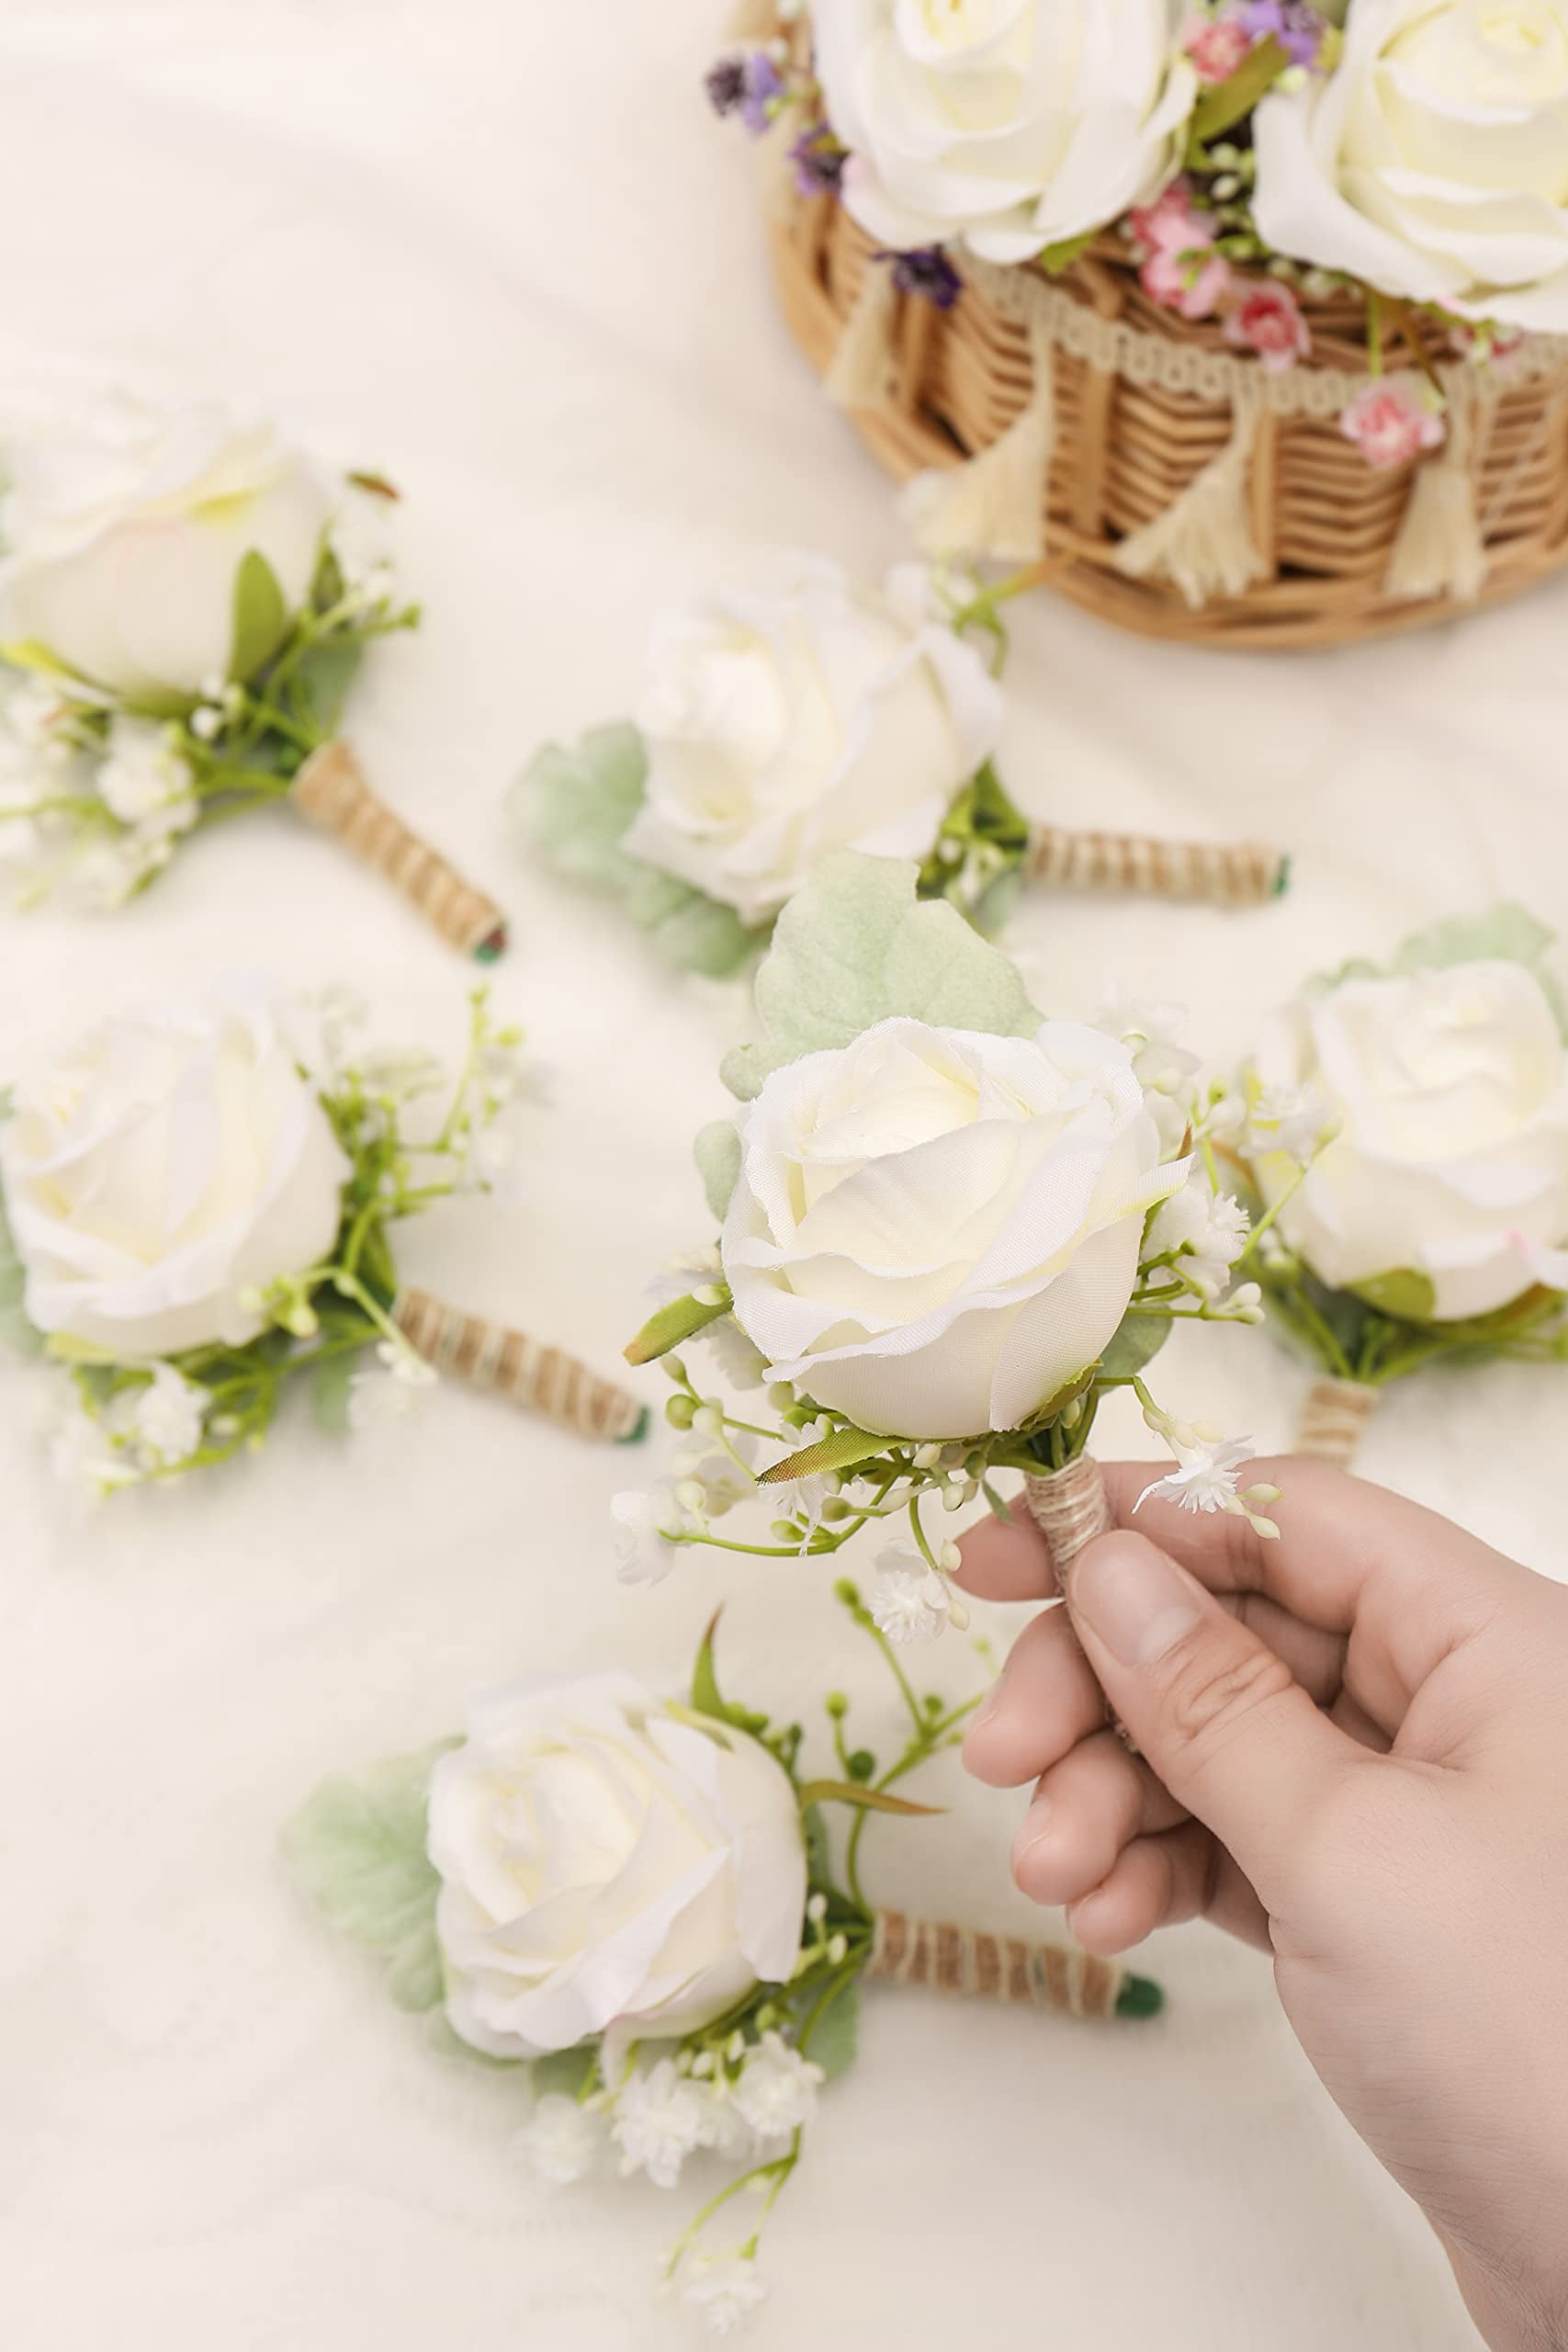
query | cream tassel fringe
[945, 1958]
[1203, 543]
[862, 373]
[994, 504]
[1335, 1414]
[1440, 550]
[541, 1380]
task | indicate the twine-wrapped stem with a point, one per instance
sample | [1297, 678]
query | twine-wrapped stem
[1070, 1506]
[1332, 1418]
[538, 1379]
[941, 1958]
[331, 790]
[1233, 873]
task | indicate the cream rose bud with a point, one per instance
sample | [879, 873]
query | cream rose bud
[1433, 162]
[796, 715]
[607, 1868]
[1452, 1157]
[1011, 124]
[172, 1161]
[123, 532]
[936, 1230]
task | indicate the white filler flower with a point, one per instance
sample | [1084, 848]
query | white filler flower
[607, 1870]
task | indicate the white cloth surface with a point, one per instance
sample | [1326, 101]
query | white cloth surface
[501, 253]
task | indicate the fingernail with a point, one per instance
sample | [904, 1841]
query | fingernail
[1134, 1598]
[987, 1707]
[1032, 1830]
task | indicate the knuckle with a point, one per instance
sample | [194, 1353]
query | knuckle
[1208, 1701]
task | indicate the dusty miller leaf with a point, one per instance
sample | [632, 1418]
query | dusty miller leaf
[358, 1848]
[717, 1154]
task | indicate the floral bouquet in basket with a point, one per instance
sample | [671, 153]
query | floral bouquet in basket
[1431, 1228]
[948, 1230]
[196, 1206]
[793, 715]
[185, 600]
[635, 1903]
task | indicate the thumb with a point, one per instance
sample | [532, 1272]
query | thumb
[1216, 1712]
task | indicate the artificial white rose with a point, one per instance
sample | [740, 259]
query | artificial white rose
[607, 1868]
[1433, 162]
[935, 1230]
[173, 1160]
[124, 530]
[794, 715]
[1452, 1157]
[1011, 124]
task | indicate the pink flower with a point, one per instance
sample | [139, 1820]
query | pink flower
[1393, 420]
[1217, 49]
[1268, 320]
[1193, 281]
[1173, 223]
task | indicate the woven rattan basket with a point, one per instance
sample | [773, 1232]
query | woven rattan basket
[1142, 406]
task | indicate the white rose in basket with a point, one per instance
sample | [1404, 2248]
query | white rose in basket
[124, 534]
[607, 1864]
[1434, 162]
[935, 1231]
[1013, 124]
[174, 1161]
[796, 715]
[1451, 1166]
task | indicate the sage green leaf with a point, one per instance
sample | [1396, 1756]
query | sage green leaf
[575, 805]
[358, 1848]
[709, 1705]
[324, 678]
[682, 1319]
[1061, 256]
[261, 616]
[835, 2035]
[564, 2073]
[840, 1451]
[1508, 934]
[329, 1393]
[1136, 1341]
[1405, 1294]
[1226, 103]
[863, 1799]
[855, 946]
[717, 1154]
[700, 935]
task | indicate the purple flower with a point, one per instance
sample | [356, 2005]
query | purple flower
[725, 84]
[819, 162]
[1297, 28]
[764, 84]
[928, 273]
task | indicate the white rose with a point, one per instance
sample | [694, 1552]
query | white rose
[935, 1230]
[1433, 162]
[173, 1160]
[1452, 1155]
[796, 715]
[123, 533]
[606, 1866]
[1013, 124]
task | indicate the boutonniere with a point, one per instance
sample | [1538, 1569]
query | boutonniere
[1430, 1097]
[185, 600]
[948, 1229]
[198, 1204]
[634, 1902]
[794, 714]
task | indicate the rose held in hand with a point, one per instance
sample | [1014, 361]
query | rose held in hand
[1013, 124]
[608, 1869]
[1451, 1160]
[124, 533]
[796, 715]
[937, 1230]
[1434, 162]
[173, 1161]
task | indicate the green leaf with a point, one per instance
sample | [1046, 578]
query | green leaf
[717, 1154]
[574, 806]
[324, 678]
[855, 946]
[708, 1702]
[329, 1393]
[358, 1848]
[261, 616]
[1136, 1341]
[564, 2073]
[26, 653]
[1407, 1295]
[835, 2036]
[700, 935]
[1061, 256]
[865, 1800]
[840, 1451]
[682, 1319]
[1227, 102]
[1508, 934]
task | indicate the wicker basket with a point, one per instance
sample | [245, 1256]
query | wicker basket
[1142, 405]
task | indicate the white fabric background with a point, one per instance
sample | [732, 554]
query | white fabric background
[501, 253]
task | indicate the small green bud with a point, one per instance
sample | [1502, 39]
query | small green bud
[785, 1531]
[679, 1412]
[838, 1705]
[847, 1592]
[675, 1370]
[862, 1764]
[833, 1509]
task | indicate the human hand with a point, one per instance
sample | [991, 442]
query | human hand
[1354, 1753]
